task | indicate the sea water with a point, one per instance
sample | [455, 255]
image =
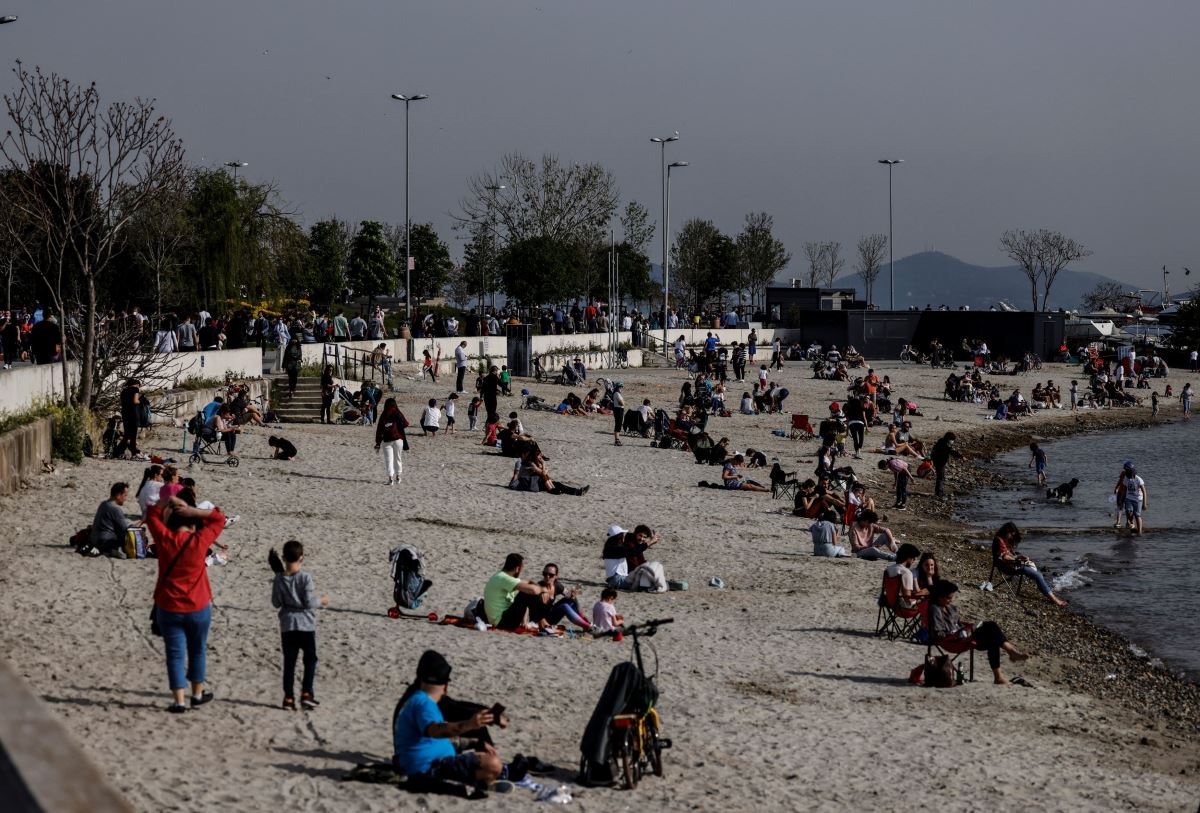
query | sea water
[1146, 588]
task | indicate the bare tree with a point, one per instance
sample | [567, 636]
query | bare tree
[760, 255]
[85, 172]
[1023, 248]
[1103, 295]
[637, 226]
[568, 202]
[121, 355]
[814, 252]
[158, 235]
[834, 262]
[1055, 252]
[871, 248]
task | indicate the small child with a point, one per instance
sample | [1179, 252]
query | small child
[451, 403]
[1154, 404]
[295, 594]
[431, 418]
[512, 416]
[473, 412]
[604, 612]
[506, 380]
[902, 474]
[1074, 395]
[763, 375]
[1037, 456]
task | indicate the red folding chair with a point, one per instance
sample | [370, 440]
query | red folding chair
[801, 428]
[951, 647]
[894, 619]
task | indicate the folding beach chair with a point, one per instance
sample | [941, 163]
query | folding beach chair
[895, 620]
[950, 647]
[1013, 581]
[785, 489]
[801, 428]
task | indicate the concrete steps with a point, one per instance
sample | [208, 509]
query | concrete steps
[304, 406]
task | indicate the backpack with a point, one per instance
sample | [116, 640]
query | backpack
[195, 423]
[408, 577]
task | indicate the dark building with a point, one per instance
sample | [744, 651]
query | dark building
[829, 316]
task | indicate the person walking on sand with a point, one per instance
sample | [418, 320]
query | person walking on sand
[183, 596]
[295, 596]
[390, 437]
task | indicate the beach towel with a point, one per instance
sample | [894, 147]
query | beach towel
[650, 577]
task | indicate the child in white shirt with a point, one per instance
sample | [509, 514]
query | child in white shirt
[451, 400]
[431, 418]
[604, 613]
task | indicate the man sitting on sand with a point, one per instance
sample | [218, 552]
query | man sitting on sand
[507, 597]
[625, 565]
[870, 540]
[109, 525]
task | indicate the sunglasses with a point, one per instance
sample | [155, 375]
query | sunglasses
[549, 574]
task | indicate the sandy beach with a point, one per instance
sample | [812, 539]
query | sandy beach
[775, 691]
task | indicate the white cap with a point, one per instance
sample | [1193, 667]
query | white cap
[613, 530]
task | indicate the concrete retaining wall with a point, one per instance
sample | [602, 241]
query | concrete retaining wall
[22, 453]
[25, 385]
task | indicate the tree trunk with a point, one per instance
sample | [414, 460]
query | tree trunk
[86, 383]
[1034, 286]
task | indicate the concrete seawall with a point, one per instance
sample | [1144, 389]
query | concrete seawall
[23, 451]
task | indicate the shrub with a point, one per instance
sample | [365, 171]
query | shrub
[68, 428]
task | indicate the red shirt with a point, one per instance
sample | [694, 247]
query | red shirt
[186, 589]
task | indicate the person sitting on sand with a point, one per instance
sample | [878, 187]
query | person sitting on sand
[870, 540]
[825, 534]
[625, 565]
[949, 633]
[507, 597]
[110, 525]
[1006, 558]
[604, 612]
[734, 481]
[928, 571]
[747, 405]
[284, 449]
[906, 443]
[557, 602]
[807, 503]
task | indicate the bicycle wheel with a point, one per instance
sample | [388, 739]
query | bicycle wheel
[624, 758]
[654, 748]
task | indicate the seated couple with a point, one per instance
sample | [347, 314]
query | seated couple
[508, 600]
[625, 565]
[439, 739]
[814, 497]
[733, 481]
[514, 442]
[531, 473]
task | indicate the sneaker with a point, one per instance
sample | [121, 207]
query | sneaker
[308, 701]
[289, 704]
[390, 481]
[230, 520]
[206, 697]
[177, 708]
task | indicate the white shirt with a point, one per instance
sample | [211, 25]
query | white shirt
[1133, 487]
[1195, 355]
[452, 326]
[164, 341]
[149, 495]
[626, 323]
[431, 417]
[460, 356]
[646, 412]
[762, 376]
[615, 567]
[604, 616]
[450, 409]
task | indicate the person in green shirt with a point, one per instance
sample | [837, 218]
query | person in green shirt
[341, 327]
[507, 597]
[505, 380]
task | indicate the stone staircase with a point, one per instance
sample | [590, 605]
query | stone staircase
[653, 359]
[304, 406]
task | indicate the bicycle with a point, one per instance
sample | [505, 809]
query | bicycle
[635, 742]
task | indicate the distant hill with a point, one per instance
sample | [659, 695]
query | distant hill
[934, 278]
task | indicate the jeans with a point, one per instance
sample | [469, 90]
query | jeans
[875, 553]
[392, 462]
[829, 549]
[386, 366]
[295, 642]
[901, 488]
[185, 634]
[326, 404]
[1038, 578]
[230, 439]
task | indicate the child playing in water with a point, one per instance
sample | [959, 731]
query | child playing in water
[1037, 456]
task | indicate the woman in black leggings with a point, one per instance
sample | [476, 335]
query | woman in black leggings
[946, 630]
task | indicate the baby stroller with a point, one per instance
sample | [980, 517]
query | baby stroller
[663, 436]
[346, 407]
[701, 445]
[207, 443]
[409, 584]
[605, 399]
[568, 376]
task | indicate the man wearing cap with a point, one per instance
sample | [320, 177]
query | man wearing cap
[624, 552]
[507, 597]
[421, 735]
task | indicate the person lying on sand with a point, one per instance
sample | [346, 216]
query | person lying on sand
[734, 481]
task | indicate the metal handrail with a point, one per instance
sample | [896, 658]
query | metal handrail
[351, 363]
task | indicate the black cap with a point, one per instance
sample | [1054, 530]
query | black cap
[433, 668]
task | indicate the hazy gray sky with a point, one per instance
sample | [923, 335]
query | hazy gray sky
[1080, 116]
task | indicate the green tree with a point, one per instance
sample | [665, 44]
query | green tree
[214, 215]
[760, 256]
[1186, 332]
[372, 263]
[702, 262]
[329, 255]
[539, 270]
[479, 273]
[432, 264]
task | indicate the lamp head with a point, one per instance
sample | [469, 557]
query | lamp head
[8, 18]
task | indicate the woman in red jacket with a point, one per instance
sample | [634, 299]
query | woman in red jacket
[183, 597]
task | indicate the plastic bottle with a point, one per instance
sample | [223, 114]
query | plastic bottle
[958, 674]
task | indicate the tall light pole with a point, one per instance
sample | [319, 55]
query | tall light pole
[666, 255]
[235, 166]
[891, 162]
[494, 188]
[663, 142]
[412, 97]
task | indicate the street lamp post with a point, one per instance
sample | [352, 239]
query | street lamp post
[235, 166]
[666, 255]
[891, 162]
[494, 188]
[663, 142]
[412, 97]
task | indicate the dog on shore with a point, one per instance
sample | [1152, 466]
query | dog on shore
[1064, 492]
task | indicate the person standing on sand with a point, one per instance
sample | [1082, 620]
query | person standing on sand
[618, 410]
[1185, 398]
[183, 596]
[948, 632]
[294, 594]
[940, 456]
[489, 391]
[460, 364]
